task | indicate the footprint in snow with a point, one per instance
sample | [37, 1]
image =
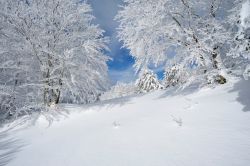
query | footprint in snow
[191, 104]
[188, 99]
[116, 125]
[188, 107]
[178, 121]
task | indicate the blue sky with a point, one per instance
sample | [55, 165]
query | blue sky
[121, 67]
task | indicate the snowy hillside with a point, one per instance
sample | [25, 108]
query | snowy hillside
[209, 127]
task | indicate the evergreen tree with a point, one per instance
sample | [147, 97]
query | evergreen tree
[148, 82]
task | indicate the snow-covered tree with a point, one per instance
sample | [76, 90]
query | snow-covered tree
[20, 89]
[51, 52]
[150, 28]
[147, 82]
[144, 31]
[239, 20]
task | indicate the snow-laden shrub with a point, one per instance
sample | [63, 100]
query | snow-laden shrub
[216, 79]
[148, 82]
[119, 90]
[14, 104]
[6, 100]
[246, 73]
[174, 76]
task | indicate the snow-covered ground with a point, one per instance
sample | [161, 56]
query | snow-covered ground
[208, 127]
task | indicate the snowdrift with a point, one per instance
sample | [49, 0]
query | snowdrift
[208, 127]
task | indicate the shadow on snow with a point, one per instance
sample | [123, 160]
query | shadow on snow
[8, 147]
[243, 89]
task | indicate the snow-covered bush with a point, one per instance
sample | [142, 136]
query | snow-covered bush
[119, 90]
[216, 79]
[6, 106]
[175, 75]
[147, 82]
[246, 73]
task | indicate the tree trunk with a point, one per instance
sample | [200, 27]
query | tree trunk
[217, 65]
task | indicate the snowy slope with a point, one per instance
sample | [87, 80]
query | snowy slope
[209, 127]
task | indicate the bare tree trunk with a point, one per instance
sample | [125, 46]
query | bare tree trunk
[46, 89]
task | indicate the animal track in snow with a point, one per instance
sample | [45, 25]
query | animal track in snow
[188, 107]
[116, 124]
[191, 104]
[177, 120]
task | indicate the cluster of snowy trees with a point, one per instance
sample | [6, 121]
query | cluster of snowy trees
[119, 90]
[191, 38]
[146, 82]
[50, 52]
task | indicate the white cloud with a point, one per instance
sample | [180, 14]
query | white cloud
[124, 76]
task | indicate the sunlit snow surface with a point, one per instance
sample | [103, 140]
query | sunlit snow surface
[206, 127]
